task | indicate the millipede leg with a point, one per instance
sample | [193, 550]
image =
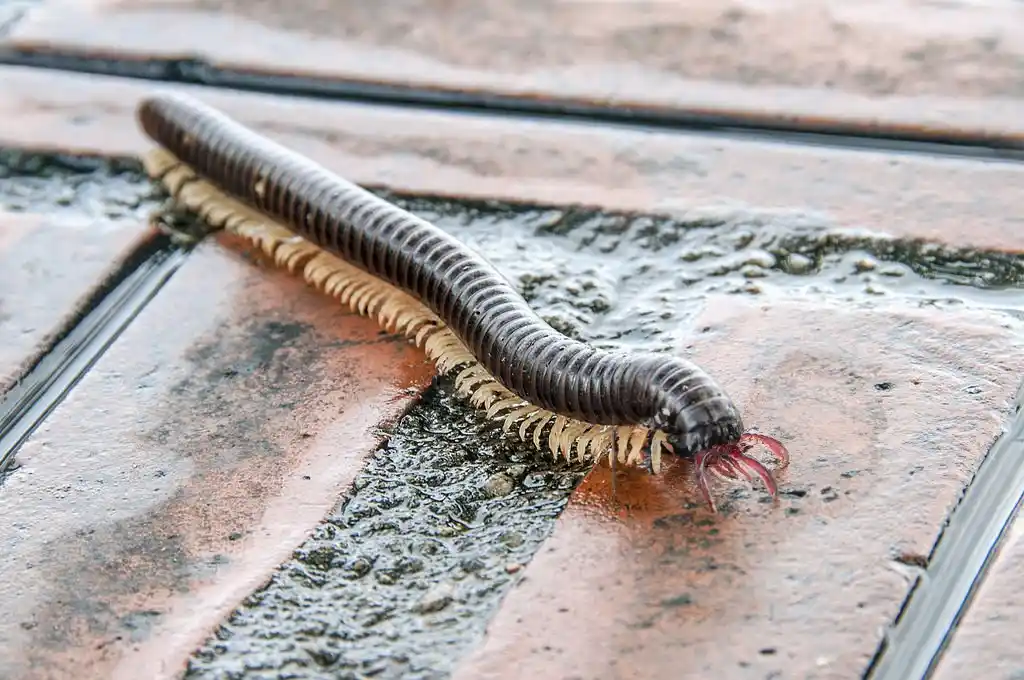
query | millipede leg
[611, 460]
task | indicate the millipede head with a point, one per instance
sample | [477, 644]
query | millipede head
[697, 415]
[702, 423]
[722, 431]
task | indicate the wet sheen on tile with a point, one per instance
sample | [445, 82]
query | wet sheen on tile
[884, 410]
[910, 64]
[194, 457]
[348, 600]
[47, 270]
[56, 249]
[557, 163]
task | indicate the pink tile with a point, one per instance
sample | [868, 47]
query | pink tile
[49, 265]
[912, 64]
[954, 200]
[186, 466]
[884, 411]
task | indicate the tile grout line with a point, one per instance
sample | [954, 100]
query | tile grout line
[46, 384]
[834, 134]
[961, 558]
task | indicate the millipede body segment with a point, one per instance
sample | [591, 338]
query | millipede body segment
[416, 279]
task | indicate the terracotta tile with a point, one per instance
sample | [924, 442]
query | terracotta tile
[886, 412]
[911, 63]
[616, 168]
[186, 466]
[988, 640]
[49, 266]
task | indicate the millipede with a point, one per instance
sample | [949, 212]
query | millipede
[415, 279]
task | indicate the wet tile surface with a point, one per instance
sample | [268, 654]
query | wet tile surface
[56, 248]
[883, 409]
[988, 640]
[950, 199]
[47, 270]
[359, 597]
[895, 415]
[187, 464]
[401, 577]
[815, 59]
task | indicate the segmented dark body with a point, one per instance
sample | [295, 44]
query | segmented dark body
[506, 336]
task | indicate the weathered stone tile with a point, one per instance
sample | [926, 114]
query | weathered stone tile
[910, 64]
[49, 266]
[560, 163]
[189, 463]
[886, 411]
